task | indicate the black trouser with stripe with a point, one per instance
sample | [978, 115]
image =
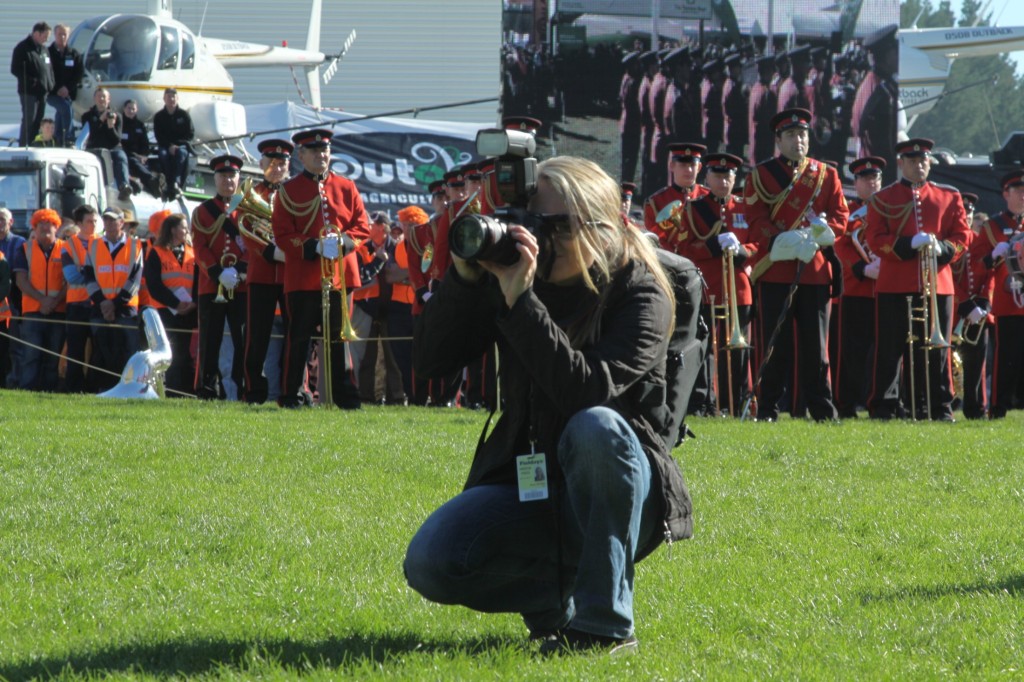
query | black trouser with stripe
[304, 320]
[1009, 367]
[888, 399]
[211, 335]
[972, 359]
[856, 342]
[263, 300]
[803, 334]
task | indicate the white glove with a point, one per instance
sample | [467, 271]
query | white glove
[278, 254]
[426, 296]
[820, 231]
[728, 240]
[921, 239]
[328, 247]
[228, 278]
[977, 315]
[871, 269]
[1002, 248]
[794, 244]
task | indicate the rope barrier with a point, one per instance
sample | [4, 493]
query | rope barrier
[176, 329]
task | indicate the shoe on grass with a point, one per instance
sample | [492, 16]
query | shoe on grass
[576, 641]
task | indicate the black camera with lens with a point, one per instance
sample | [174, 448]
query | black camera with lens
[486, 238]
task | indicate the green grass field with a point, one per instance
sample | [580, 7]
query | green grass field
[169, 538]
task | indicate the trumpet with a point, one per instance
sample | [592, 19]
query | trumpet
[226, 261]
[328, 269]
[255, 214]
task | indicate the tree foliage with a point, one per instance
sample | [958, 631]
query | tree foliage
[978, 119]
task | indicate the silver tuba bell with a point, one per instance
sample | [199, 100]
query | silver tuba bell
[143, 374]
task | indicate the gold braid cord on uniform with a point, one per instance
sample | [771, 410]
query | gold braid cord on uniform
[715, 229]
[777, 201]
[892, 213]
[213, 230]
[414, 241]
[300, 209]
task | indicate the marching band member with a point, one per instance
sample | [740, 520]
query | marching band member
[903, 219]
[265, 276]
[991, 254]
[306, 206]
[856, 313]
[220, 256]
[972, 346]
[718, 224]
[784, 195]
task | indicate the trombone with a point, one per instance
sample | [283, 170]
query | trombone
[928, 315]
[328, 269]
[730, 318]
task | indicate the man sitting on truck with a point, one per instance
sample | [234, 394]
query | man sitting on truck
[105, 133]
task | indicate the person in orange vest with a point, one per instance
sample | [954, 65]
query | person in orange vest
[383, 308]
[40, 277]
[170, 271]
[79, 307]
[113, 273]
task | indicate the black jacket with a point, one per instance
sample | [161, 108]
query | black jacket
[545, 381]
[134, 136]
[173, 128]
[102, 136]
[30, 64]
[65, 74]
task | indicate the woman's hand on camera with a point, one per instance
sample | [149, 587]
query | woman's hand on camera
[518, 277]
[469, 272]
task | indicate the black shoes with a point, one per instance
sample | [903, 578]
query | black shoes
[575, 641]
[125, 192]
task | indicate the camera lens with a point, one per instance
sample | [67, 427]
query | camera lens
[479, 237]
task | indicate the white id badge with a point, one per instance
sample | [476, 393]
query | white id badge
[532, 472]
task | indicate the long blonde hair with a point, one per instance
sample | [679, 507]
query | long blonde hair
[601, 233]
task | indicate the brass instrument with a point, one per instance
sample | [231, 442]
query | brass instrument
[1015, 266]
[328, 268]
[226, 261]
[670, 217]
[928, 315]
[730, 317]
[254, 214]
[968, 333]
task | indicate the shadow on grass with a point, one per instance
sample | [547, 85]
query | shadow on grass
[195, 657]
[1013, 585]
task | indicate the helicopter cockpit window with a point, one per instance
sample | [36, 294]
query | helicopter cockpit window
[169, 48]
[123, 49]
[188, 50]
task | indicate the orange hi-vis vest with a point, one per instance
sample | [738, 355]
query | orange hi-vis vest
[5, 307]
[400, 291]
[175, 275]
[78, 293]
[112, 273]
[45, 274]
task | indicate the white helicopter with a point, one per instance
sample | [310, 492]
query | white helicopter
[138, 56]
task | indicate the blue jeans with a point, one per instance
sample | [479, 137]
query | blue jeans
[486, 550]
[38, 369]
[63, 118]
[175, 166]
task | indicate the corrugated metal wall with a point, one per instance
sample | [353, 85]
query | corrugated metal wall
[408, 53]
